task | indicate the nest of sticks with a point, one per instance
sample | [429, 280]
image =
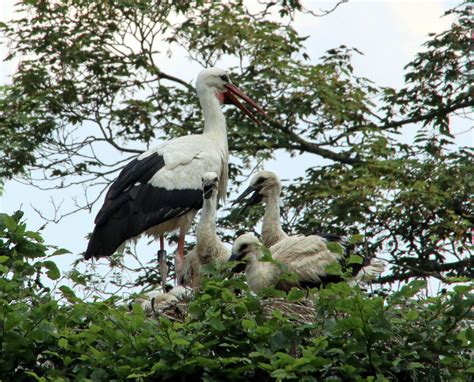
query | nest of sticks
[302, 311]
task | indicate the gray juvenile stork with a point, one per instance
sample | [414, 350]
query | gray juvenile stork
[209, 247]
[265, 187]
[306, 256]
[160, 190]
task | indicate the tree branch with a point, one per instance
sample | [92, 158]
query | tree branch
[344, 158]
[433, 269]
[163, 75]
[313, 148]
[433, 114]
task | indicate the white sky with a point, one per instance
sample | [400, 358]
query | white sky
[389, 33]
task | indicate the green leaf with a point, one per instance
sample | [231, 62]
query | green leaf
[53, 270]
[355, 259]
[411, 315]
[180, 341]
[68, 293]
[34, 235]
[59, 251]
[248, 324]
[281, 374]
[335, 247]
[415, 365]
[334, 269]
[10, 223]
[63, 343]
[461, 289]
[217, 324]
[295, 294]
[356, 238]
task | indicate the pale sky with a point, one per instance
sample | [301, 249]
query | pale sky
[389, 33]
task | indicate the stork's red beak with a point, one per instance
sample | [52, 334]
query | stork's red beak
[231, 97]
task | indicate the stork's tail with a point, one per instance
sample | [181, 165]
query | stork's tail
[99, 248]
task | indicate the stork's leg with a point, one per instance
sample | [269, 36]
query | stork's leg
[179, 261]
[162, 263]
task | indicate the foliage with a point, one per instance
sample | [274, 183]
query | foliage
[92, 80]
[226, 335]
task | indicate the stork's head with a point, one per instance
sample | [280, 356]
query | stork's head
[210, 184]
[246, 246]
[264, 184]
[217, 82]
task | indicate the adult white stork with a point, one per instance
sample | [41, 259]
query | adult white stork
[160, 190]
[209, 247]
[305, 256]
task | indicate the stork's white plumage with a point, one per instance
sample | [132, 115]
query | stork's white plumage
[160, 190]
[156, 302]
[209, 247]
[305, 256]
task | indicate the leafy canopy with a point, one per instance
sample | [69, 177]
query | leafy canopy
[91, 82]
[227, 333]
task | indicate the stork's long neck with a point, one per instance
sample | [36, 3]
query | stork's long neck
[214, 119]
[271, 226]
[215, 127]
[206, 239]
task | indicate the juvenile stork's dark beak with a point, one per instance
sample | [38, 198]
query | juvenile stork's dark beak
[240, 266]
[256, 198]
[232, 95]
[233, 257]
[208, 188]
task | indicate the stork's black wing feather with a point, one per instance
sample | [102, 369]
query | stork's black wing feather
[137, 209]
[132, 205]
[138, 171]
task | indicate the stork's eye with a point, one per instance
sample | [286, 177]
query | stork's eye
[260, 181]
[225, 78]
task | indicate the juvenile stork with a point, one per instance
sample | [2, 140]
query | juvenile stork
[209, 247]
[265, 187]
[305, 256]
[160, 190]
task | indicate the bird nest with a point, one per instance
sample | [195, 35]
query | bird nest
[301, 312]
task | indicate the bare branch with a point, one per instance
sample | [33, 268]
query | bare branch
[314, 148]
[323, 12]
[437, 113]
[434, 269]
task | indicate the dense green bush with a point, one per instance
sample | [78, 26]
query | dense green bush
[227, 333]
